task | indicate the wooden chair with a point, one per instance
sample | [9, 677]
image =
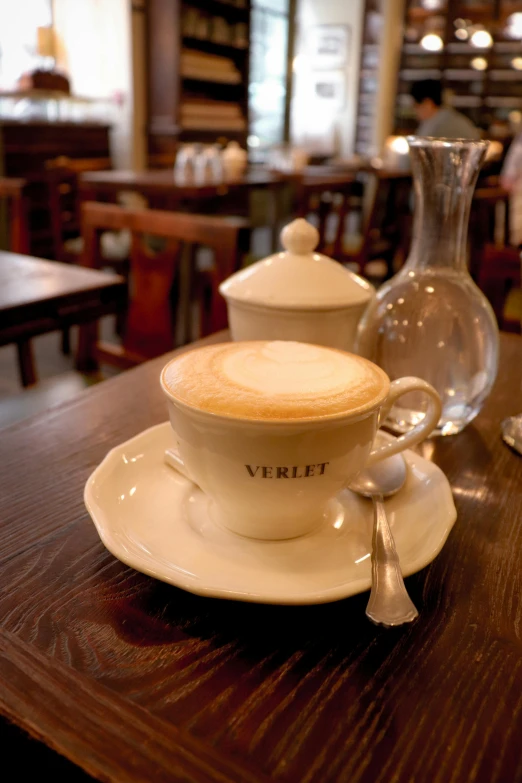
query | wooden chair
[388, 223]
[373, 208]
[64, 202]
[161, 160]
[13, 192]
[328, 201]
[62, 174]
[499, 274]
[149, 323]
[489, 223]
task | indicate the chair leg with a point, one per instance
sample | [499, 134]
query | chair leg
[119, 326]
[66, 342]
[26, 362]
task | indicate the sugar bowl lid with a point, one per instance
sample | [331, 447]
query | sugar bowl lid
[298, 278]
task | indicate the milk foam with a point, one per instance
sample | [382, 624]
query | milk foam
[283, 368]
[274, 380]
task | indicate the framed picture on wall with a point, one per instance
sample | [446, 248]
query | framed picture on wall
[328, 46]
[329, 90]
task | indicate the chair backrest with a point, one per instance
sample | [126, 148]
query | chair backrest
[489, 224]
[13, 191]
[487, 203]
[161, 160]
[388, 212]
[149, 328]
[79, 165]
[500, 271]
[379, 206]
[62, 178]
[328, 201]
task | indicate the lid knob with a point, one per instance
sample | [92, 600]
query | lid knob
[299, 237]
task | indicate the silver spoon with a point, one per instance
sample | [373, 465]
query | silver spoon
[512, 432]
[389, 602]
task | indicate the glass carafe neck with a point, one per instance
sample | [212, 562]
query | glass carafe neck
[445, 172]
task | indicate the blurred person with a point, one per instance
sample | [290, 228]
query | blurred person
[511, 174]
[511, 180]
[435, 119]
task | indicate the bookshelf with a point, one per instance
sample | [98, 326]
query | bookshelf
[379, 61]
[369, 81]
[480, 82]
[198, 66]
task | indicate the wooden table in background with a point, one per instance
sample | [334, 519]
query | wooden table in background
[38, 296]
[160, 182]
[160, 187]
[135, 680]
[162, 192]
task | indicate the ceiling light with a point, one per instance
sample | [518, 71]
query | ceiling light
[516, 63]
[462, 34]
[514, 25]
[479, 63]
[432, 42]
[431, 5]
[460, 23]
[481, 39]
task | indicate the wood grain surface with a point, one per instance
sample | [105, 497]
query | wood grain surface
[160, 182]
[26, 281]
[38, 296]
[132, 679]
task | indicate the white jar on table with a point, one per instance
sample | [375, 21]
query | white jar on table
[234, 159]
[297, 294]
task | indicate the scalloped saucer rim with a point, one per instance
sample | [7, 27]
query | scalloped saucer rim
[156, 521]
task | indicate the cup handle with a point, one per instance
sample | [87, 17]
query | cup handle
[421, 430]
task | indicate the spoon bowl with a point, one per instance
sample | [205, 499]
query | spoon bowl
[383, 478]
[512, 432]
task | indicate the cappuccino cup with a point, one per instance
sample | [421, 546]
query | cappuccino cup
[272, 431]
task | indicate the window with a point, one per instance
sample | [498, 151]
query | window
[268, 69]
[18, 24]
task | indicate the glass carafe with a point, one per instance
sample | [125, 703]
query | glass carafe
[430, 319]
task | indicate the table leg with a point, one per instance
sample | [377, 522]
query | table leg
[279, 197]
[274, 217]
[26, 362]
[184, 314]
[86, 353]
[66, 341]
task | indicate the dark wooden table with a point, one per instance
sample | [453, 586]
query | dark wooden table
[154, 182]
[134, 680]
[162, 192]
[38, 296]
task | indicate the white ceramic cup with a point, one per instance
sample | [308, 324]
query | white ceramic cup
[277, 479]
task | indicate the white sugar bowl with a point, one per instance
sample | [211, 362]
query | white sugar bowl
[297, 295]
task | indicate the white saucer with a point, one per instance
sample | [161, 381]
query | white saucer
[153, 519]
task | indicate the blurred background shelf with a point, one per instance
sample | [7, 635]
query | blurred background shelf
[177, 31]
[219, 8]
[482, 81]
[213, 47]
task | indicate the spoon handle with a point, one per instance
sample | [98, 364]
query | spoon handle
[389, 602]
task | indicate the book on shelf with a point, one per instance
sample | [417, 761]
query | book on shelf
[210, 76]
[208, 67]
[204, 123]
[209, 108]
[202, 59]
